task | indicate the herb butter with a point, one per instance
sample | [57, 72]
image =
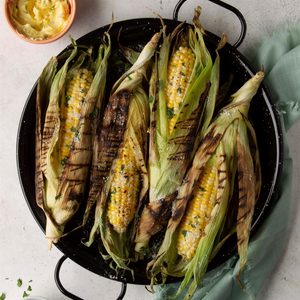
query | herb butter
[39, 19]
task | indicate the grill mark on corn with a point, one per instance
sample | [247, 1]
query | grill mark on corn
[75, 180]
[75, 196]
[221, 180]
[244, 216]
[182, 139]
[109, 140]
[76, 165]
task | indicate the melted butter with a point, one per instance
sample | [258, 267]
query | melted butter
[40, 19]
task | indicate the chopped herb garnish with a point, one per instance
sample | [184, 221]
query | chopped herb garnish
[56, 197]
[73, 129]
[29, 288]
[19, 282]
[64, 161]
[151, 98]
[179, 90]
[68, 98]
[184, 232]
[25, 294]
[2, 296]
[94, 113]
[170, 113]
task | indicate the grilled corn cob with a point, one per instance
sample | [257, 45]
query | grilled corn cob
[179, 73]
[184, 71]
[198, 213]
[76, 90]
[127, 181]
[67, 100]
[124, 192]
[194, 226]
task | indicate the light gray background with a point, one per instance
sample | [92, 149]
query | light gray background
[23, 248]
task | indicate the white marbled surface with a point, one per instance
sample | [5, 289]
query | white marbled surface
[23, 249]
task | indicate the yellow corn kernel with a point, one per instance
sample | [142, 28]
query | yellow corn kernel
[179, 72]
[76, 90]
[124, 191]
[198, 213]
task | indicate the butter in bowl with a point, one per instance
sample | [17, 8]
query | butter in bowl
[40, 21]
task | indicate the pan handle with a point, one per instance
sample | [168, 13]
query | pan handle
[70, 295]
[226, 6]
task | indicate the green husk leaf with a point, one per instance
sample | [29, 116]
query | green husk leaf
[214, 87]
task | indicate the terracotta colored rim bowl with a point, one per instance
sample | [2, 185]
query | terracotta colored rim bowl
[72, 4]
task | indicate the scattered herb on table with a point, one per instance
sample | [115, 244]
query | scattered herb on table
[2, 296]
[19, 282]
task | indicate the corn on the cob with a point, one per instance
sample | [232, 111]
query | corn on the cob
[67, 106]
[76, 91]
[124, 192]
[127, 181]
[225, 146]
[179, 72]
[184, 68]
[198, 213]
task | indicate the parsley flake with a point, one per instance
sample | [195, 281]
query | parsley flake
[25, 294]
[19, 282]
[2, 296]
[170, 113]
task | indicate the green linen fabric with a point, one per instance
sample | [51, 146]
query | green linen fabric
[279, 55]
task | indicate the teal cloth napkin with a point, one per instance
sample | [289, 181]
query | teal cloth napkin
[279, 55]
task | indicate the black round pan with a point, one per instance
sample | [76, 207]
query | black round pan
[263, 116]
